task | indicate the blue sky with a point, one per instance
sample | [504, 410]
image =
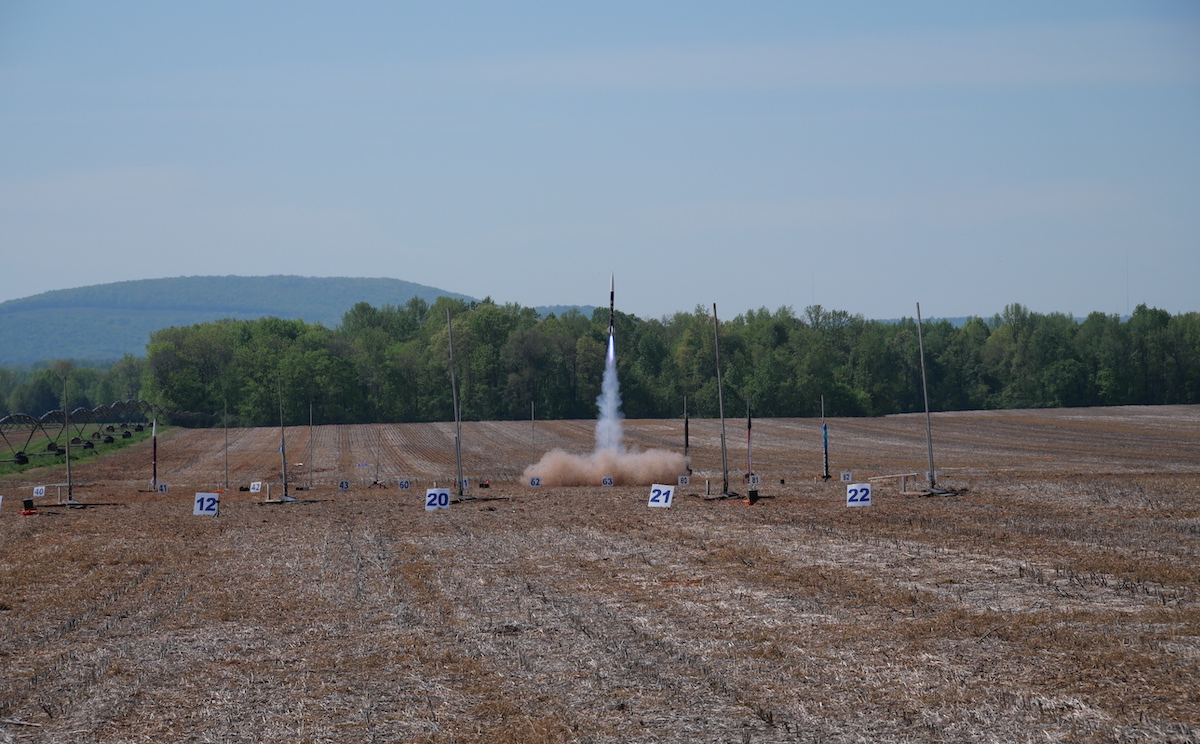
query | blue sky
[862, 156]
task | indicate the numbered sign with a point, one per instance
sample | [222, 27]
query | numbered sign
[39, 491]
[756, 480]
[606, 480]
[847, 477]
[256, 487]
[535, 482]
[927, 475]
[466, 484]
[684, 480]
[162, 488]
[437, 498]
[405, 484]
[661, 495]
[206, 504]
[858, 494]
[1, 502]
[344, 485]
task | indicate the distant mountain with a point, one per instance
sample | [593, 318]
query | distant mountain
[105, 321]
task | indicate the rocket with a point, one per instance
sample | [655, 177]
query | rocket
[612, 304]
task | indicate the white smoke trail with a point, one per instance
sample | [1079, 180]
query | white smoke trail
[609, 434]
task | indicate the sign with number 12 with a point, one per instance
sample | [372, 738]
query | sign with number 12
[206, 504]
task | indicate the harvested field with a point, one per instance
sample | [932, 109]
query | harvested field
[1055, 600]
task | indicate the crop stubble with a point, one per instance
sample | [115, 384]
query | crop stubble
[1055, 599]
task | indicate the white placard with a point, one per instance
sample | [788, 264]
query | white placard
[437, 498]
[206, 504]
[684, 480]
[847, 477]
[162, 487]
[405, 484]
[256, 487]
[535, 482]
[344, 485]
[606, 480]
[466, 484]
[39, 491]
[756, 480]
[858, 494]
[661, 495]
[1, 502]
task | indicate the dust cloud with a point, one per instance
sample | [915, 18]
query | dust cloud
[559, 468]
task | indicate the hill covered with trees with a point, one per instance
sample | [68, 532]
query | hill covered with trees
[103, 322]
[391, 364]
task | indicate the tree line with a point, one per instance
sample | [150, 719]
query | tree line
[391, 364]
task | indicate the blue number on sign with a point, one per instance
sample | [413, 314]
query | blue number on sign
[660, 496]
[208, 504]
[606, 481]
[404, 485]
[535, 481]
[858, 495]
[439, 499]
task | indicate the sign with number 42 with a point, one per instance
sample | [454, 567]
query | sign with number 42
[661, 495]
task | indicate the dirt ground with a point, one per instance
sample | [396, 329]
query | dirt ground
[1053, 599]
